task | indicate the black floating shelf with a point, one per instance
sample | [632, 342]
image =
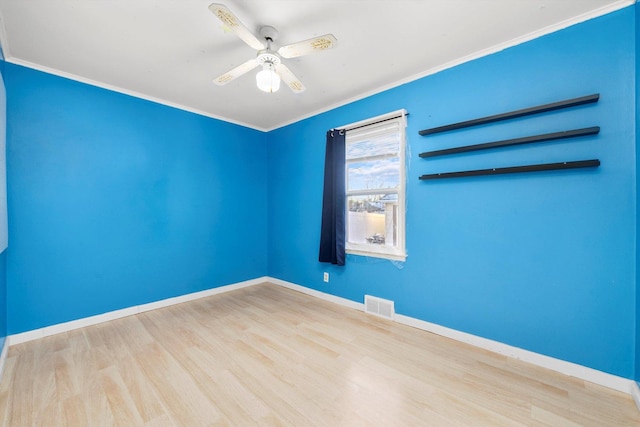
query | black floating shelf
[514, 114]
[516, 169]
[517, 141]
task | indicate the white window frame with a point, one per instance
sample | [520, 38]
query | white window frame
[399, 252]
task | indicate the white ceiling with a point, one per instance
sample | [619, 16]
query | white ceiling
[170, 50]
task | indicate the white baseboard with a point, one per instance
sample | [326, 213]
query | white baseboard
[129, 311]
[3, 357]
[567, 368]
[635, 392]
[327, 297]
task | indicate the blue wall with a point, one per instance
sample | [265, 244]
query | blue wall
[545, 261]
[637, 56]
[115, 201]
[3, 298]
[3, 217]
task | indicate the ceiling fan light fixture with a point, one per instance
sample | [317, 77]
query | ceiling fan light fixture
[267, 79]
[273, 70]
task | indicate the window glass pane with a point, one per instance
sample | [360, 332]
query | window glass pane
[372, 175]
[373, 219]
[372, 147]
[375, 176]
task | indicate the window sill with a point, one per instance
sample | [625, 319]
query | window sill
[393, 256]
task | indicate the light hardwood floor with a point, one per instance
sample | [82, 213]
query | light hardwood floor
[266, 355]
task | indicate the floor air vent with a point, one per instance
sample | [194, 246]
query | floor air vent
[379, 307]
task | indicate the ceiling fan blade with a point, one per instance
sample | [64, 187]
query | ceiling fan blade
[230, 20]
[236, 72]
[316, 44]
[289, 78]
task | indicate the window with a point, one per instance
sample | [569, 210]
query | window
[375, 187]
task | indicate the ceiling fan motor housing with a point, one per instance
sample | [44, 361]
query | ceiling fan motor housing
[267, 56]
[269, 33]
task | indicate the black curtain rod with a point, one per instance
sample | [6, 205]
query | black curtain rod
[369, 124]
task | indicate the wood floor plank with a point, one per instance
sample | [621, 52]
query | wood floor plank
[176, 388]
[142, 393]
[266, 355]
[235, 401]
[120, 401]
[21, 407]
[96, 404]
[74, 411]
[6, 388]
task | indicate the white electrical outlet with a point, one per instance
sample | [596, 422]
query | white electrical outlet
[326, 277]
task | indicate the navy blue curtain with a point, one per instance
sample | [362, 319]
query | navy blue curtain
[332, 233]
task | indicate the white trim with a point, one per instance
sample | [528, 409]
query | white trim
[382, 125]
[129, 311]
[3, 357]
[479, 54]
[402, 112]
[132, 93]
[350, 250]
[566, 368]
[312, 292]
[468, 58]
[635, 392]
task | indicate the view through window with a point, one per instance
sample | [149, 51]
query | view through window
[375, 187]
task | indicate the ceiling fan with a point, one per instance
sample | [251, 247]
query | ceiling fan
[268, 79]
